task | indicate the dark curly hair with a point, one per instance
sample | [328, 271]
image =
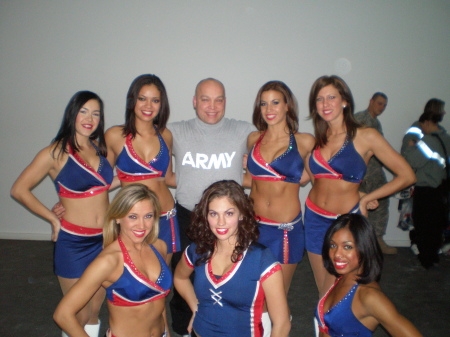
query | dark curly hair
[369, 251]
[199, 231]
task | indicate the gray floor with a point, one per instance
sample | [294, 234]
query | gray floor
[30, 292]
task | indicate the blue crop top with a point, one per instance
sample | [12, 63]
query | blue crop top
[133, 288]
[79, 180]
[347, 164]
[287, 167]
[130, 167]
[339, 320]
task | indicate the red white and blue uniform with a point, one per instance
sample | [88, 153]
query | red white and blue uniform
[132, 168]
[78, 246]
[231, 305]
[287, 167]
[317, 222]
[169, 230]
[133, 288]
[79, 180]
[286, 240]
[340, 320]
[348, 165]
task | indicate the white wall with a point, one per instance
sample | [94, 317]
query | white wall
[51, 49]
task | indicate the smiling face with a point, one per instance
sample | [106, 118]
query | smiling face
[209, 102]
[329, 104]
[88, 118]
[138, 223]
[343, 252]
[148, 103]
[273, 107]
[223, 219]
[377, 106]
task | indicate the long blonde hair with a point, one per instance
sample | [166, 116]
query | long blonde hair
[121, 205]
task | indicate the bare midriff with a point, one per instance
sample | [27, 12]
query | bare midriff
[335, 196]
[86, 212]
[160, 188]
[276, 200]
[141, 320]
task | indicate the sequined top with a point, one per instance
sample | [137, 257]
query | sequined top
[134, 288]
[339, 320]
[287, 167]
[347, 164]
[130, 167]
[77, 179]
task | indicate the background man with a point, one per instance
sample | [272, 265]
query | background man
[375, 176]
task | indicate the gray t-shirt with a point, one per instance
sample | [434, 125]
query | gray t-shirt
[206, 153]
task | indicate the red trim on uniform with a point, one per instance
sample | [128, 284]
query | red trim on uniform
[285, 247]
[273, 270]
[75, 229]
[260, 161]
[131, 178]
[66, 193]
[319, 210]
[172, 231]
[322, 326]
[121, 302]
[332, 174]
[172, 228]
[258, 306]
[224, 276]
[186, 258]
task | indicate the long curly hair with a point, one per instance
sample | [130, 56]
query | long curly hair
[199, 231]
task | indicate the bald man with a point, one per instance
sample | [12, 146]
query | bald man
[207, 149]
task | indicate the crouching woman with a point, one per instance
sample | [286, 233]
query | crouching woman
[131, 268]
